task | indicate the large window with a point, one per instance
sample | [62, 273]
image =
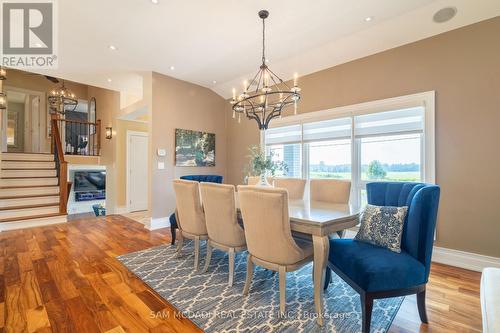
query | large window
[392, 158]
[291, 155]
[376, 142]
[330, 159]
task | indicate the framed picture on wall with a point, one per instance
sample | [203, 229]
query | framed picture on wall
[194, 148]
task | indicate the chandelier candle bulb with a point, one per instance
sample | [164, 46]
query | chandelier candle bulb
[234, 114]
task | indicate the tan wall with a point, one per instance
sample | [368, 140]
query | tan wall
[108, 106]
[463, 67]
[180, 104]
[31, 81]
[122, 126]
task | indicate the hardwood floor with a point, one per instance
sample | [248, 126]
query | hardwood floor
[64, 278]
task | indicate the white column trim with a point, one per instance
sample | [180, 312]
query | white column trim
[158, 223]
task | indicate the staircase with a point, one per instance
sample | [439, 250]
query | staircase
[29, 191]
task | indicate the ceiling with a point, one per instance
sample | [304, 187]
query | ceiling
[220, 41]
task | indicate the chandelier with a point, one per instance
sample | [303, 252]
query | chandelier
[62, 99]
[267, 95]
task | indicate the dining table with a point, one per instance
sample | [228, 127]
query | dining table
[319, 220]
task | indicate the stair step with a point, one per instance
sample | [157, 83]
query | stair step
[31, 182]
[28, 165]
[32, 221]
[27, 173]
[28, 201]
[22, 213]
[28, 191]
[27, 157]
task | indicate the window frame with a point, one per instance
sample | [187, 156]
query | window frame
[426, 100]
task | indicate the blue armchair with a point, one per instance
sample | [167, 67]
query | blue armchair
[198, 178]
[375, 272]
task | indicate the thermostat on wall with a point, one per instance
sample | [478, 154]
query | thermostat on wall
[162, 152]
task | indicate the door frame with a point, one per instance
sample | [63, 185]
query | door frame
[42, 112]
[127, 168]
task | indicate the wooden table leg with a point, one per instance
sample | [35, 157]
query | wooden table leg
[321, 248]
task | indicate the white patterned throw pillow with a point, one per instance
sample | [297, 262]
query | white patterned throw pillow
[382, 226]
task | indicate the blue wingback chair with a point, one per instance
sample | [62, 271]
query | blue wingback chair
[198, 178]
[375, 272]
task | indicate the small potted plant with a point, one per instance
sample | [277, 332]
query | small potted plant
[262, 165]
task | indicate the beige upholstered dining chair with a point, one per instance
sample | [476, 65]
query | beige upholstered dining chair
[332, 191]
[224, 232]
[189, 215]
[295, 187]
[254, 180]
[269, 237]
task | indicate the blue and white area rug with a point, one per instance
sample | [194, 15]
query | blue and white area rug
[208, 301]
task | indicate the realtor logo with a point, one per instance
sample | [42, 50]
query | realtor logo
[28, 34]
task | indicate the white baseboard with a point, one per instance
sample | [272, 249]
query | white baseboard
[23, 224]
[121, 210]
[467, 260]
[158, 223]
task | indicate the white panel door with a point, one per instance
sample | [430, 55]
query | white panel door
[137, 153]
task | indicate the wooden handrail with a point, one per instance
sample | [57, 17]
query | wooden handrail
[83, 122]
[62, 165]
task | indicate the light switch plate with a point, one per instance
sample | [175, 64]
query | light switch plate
[161, 165]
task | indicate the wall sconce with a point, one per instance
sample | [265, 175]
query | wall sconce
[3, 101]
[109, 132]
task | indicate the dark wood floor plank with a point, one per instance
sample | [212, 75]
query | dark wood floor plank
[65, 278]
[80, 316]
[59, 317]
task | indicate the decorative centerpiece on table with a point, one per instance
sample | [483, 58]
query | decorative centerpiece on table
[263, 166]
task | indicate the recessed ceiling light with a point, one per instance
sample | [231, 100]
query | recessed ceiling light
[368, 19]
[172, 68]
[109, 80]
[155, 1]
[214, 82]
[444, 14]
[112, 47]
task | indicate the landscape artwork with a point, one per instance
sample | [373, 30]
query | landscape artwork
[194, 149]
